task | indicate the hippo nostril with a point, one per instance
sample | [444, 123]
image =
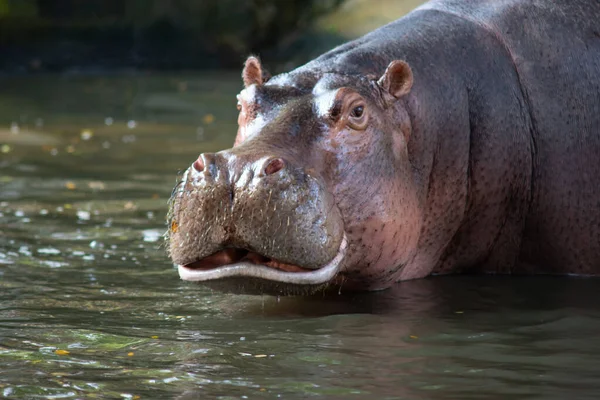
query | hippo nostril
[200, 164]
[273, 166]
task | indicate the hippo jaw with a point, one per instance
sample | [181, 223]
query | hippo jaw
[283, 275]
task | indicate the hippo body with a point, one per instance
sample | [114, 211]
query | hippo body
[464, 137]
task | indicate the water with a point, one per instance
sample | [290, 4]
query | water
[90, 306]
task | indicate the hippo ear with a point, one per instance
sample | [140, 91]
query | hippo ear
[253, 73]
[397, 79]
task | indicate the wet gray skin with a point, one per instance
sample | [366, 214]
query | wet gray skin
[254, 213]
[265, 216]
[452, 140]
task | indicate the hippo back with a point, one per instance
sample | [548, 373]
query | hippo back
[555, 48]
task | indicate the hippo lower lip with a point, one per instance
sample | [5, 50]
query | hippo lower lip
[268, 270]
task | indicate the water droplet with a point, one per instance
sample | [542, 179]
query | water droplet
[151, 235]
[86, 134]
[108, 121]
[83, 215]
[131, 124]
[14, 128]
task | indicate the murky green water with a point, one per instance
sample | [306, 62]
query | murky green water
[91, 308]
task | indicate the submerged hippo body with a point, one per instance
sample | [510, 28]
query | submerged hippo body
[464, 137]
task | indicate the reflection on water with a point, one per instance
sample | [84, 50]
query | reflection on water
[90, 306]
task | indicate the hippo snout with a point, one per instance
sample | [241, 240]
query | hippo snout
[257, 214]
[262, 167]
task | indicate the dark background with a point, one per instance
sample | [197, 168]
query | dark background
[88, 35]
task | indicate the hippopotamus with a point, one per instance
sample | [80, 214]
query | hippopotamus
[464, 137]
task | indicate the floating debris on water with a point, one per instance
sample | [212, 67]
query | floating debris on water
[96, 185]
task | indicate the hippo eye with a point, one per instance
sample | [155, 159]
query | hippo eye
[239, 106]
[358, 117]
[357, 112]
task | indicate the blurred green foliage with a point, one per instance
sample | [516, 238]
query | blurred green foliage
[154, 33]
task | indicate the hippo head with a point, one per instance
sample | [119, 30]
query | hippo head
[316, 192]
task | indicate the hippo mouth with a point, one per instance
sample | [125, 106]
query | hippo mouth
[237, 263]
